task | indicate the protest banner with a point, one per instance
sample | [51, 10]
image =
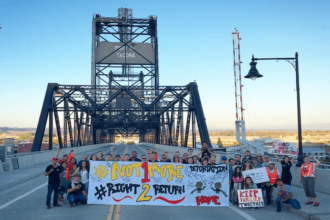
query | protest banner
[250, 198]
[258, 175]
[280, 147]
[167, 184]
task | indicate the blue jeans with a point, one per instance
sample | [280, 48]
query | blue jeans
[295, 204]
[52, 187]
[86, 185]
[77, 198]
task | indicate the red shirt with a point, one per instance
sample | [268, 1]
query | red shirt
[68, 164]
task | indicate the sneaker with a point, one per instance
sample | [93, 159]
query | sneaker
[316, 203]
[48, 207]
[309, 202]
[57, 205]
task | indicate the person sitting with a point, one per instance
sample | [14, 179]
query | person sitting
[76, 191]
[284, 194]
[248, 184]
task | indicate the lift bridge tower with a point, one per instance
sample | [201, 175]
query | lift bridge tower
[124, 97]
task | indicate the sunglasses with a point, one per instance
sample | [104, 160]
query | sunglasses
[164, 158]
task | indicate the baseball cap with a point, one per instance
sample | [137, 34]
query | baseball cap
[223, 158]
[54, 158]
[271, 162]
[65, 155]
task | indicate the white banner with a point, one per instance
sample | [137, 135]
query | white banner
[167, 184]
[250, 198]
[258, 175]
[280, 147]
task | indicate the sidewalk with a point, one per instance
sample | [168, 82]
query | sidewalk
[310, 212]
[12, 178]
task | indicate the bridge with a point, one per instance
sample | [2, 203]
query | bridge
[125, 98]
[23, 195]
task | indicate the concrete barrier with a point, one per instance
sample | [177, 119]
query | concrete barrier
[30, 159]
[25, 160]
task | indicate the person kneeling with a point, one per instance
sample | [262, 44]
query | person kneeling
[76, 191]
[284, 194]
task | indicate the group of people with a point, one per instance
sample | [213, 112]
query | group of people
[67, 176]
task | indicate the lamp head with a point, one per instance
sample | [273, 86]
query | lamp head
[253, 73]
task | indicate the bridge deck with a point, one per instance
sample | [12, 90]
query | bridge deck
[23, 195]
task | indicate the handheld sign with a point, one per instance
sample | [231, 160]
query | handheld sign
[250, 198]
[258, 175]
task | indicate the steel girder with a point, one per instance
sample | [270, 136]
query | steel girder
[142, 116]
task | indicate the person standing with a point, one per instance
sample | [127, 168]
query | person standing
[85, 158]
[84, 174]
[238, 162]
[247, 156]
[273, 174]
[255, 163]
[134, 157]
[238, 179]
[307, 175]
[65, 181]
[53, 172]
[286, 166]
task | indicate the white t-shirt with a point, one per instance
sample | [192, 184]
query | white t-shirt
[84, 176]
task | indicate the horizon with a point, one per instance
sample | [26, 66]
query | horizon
[50, 49]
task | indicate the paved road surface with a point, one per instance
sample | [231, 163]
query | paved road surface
[27, 201]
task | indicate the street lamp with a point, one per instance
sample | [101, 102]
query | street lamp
[254, 74]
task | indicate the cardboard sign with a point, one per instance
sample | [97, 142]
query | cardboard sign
[165, 184]
[258, 175]
[250, 198]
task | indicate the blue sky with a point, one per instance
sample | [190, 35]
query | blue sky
[50, 41]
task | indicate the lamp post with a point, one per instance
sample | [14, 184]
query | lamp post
[254, 74]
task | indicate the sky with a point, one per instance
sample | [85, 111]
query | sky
[44, 41]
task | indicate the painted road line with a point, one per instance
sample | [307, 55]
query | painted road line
[112, 207]
[22, 196]
[117, 216]
[246, 216]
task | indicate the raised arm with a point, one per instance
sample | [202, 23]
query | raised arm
[278, 159]
[318, 163]
[293, 159]
[58, 152]
[197, 155]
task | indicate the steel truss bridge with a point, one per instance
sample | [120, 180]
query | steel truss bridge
[124, 97]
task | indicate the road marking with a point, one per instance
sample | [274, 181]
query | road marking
[246, 216]
[22, 196]
[117, 212]
[112, 207]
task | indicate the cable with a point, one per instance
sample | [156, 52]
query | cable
[251, 105]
